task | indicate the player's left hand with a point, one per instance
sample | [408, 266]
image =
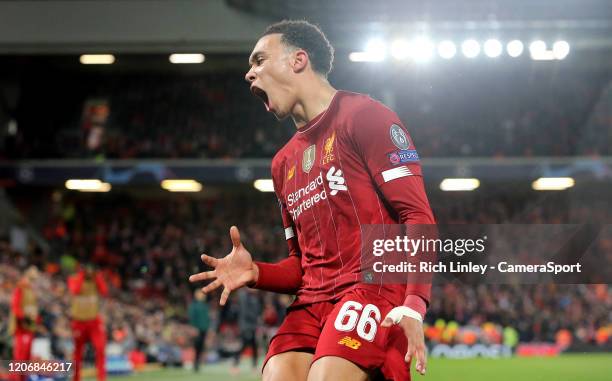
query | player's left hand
[233, 271]
[413, 329]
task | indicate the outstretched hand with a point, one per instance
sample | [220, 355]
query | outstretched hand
[413, 329]
[233, 271]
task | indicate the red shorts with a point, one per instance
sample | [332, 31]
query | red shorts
[349, 328]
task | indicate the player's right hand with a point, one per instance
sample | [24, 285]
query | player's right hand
[233, 271]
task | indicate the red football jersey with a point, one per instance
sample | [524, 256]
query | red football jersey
[353, 165]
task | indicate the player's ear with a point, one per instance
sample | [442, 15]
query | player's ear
[300, 60]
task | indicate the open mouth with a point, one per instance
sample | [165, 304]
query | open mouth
[261, 95]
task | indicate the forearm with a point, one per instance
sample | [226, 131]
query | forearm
[101, 285]
[418, 289]
[415, 213]
[16, 304]
[284, 277]
[75, 283]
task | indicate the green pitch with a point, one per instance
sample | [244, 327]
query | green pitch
[574, 367]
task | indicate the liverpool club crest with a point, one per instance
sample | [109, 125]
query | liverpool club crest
[328, 149]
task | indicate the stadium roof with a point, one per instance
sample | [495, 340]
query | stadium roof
[231, 26]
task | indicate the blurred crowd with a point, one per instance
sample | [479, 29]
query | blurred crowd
[144, 329]
[502, 314]
[470, 113]
[146, 248]
[505, 114]
[151, 327]
[211, 116]
[145, 251]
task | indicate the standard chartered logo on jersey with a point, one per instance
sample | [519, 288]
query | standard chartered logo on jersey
[309, 195]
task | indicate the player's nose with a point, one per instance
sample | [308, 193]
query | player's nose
[249, 76]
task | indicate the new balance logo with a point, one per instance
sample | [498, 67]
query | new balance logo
[350, 342]
[336, 181]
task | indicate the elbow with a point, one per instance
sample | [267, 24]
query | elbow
[418, 217]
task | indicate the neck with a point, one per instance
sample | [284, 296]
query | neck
[315, 98]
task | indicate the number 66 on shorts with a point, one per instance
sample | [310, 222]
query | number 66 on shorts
[353, 314]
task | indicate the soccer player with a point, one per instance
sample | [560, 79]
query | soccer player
[24, 317]
[86, 288]
[351, 162]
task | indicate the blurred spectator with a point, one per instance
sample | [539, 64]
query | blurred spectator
[200, 320]
[25, 317]
[86, 289]
[249, 316]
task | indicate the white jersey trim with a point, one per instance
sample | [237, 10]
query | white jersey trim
[289, 233]
[395, 173]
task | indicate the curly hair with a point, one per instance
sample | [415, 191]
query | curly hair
[303, 35]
